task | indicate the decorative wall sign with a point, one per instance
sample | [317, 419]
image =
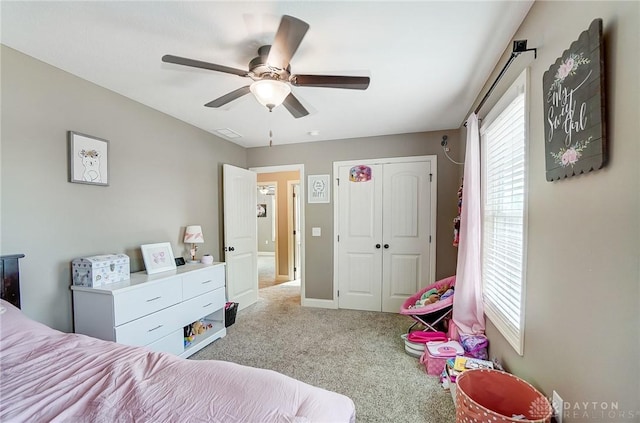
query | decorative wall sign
[318, 189]
[360, 173]
[574, 108]
[88, 159]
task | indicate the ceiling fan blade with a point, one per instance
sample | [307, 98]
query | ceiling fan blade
[294, 106]
[227, 98]
[331, 81]
[203, 65]
[287, 40]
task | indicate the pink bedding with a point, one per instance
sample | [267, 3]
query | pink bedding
[47, 375]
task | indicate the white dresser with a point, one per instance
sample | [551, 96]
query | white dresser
[152, 310]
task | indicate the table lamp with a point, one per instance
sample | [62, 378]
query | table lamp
[193, 236]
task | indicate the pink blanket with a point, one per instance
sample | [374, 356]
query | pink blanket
[47, 375]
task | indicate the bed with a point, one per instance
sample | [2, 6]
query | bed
[47, 375]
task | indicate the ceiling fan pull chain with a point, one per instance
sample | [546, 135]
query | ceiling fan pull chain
[270, 138]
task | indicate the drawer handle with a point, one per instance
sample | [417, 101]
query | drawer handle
[156, 328]
[206, 305]
[209, 281]
[153, 299]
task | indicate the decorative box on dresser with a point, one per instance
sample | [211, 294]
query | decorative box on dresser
[152, 310]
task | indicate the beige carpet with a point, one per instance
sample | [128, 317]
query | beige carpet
[266, 271]
[358, 354]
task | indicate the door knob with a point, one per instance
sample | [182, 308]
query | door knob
[377, 245]
[386, 245]
[232, 249]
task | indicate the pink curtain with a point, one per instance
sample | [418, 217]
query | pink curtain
[468, 312]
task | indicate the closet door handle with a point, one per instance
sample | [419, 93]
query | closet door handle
[386, 245]
[377, 245]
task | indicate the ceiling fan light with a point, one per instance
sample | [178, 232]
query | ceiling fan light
[270, 93]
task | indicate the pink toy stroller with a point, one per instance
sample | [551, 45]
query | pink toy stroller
[432, 314]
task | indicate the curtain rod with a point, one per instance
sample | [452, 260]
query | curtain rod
[519, 46]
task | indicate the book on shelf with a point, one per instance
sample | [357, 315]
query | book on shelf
[462, 363]
[476, 363]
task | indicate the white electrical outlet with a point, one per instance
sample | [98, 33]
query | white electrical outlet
[558, 407]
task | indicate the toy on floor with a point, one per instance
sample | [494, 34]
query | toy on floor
[433, 295]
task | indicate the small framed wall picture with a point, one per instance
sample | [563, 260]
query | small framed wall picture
[88, 159]
[262, 210]
[318, 189]
[158, 257]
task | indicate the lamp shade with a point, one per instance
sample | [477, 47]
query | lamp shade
[193, 235]
[270, 93]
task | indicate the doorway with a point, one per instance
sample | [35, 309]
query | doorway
[293, 193]
[280, 230]
[267, 232]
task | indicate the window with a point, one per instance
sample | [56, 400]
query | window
[504, 197]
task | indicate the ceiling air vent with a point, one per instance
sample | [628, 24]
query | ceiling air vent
[228, 133]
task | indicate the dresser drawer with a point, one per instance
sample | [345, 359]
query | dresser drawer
[172, 343]
[207, 279]
[201, 306]
[148, 329]
[147, 299]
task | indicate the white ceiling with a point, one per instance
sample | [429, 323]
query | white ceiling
[427, 60]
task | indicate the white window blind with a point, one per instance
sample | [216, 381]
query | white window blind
[503, 139]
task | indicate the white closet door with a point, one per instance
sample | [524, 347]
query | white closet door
[406, 210]
[385, 232]
[360, 229]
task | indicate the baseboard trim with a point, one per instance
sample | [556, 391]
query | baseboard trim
[267, 253]
[317, 303]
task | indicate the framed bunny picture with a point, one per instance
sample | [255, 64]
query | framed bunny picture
[158, 257]
[88, 159]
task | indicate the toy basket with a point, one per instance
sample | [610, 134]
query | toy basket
[484, 395]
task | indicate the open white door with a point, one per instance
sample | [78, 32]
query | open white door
[240, 235]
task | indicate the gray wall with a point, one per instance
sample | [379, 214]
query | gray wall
[582, 326]
[164, 175]
[318, 158]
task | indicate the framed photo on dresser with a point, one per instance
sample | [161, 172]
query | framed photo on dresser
[158, 257]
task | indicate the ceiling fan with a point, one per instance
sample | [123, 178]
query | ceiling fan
[271, 72]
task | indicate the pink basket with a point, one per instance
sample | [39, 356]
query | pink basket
[496, 396]
[433, 365]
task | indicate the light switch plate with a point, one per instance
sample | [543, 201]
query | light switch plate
[316, 231]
